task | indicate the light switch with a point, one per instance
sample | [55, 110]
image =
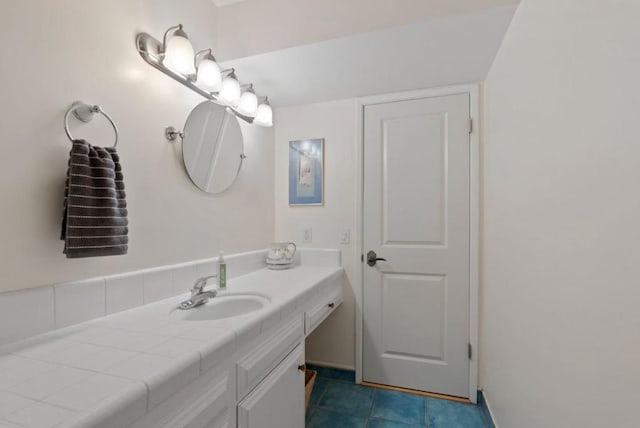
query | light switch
[345, 236]
[307, 236]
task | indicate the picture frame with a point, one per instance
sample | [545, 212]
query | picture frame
[306, 172]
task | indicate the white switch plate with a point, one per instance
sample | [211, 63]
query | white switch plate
[345, 236]
[307, 236]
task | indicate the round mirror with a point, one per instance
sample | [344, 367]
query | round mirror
[212, 147]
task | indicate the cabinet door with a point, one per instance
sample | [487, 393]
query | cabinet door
[265, 357]
[277, 401]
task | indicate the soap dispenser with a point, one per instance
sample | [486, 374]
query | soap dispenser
[222, 272]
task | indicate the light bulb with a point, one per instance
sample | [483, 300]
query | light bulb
[209, 77]
[264, 115]
[178, 54]
[229, 94]
[248, 104]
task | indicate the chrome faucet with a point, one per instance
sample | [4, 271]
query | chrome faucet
[198, 295]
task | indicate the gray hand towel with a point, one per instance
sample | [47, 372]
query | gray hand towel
[94, 221]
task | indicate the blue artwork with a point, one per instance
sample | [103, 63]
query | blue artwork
[305, 172]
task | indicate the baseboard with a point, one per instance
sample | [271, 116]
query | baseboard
[330, 365]
[483, 401]
[417, 392]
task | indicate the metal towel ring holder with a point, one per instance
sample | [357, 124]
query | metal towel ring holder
[84, 113]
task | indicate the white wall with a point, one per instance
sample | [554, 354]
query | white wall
[560, 342]
[57, 52]
[334, 341]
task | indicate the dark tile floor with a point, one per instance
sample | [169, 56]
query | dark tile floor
[337, 402]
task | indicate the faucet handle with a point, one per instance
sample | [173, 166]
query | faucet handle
[201, 282]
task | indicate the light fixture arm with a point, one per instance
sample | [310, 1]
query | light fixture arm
[207, 53]
[163, 46]
[232, 74]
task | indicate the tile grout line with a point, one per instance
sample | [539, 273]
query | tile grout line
[321, 395]
[373, 398]
[55, 308]
[104, 284]
[340, 411]
[426, 412]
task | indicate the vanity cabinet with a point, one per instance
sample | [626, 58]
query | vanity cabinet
[278, 401]
[208, 402]
[270, 380]
[214, 411]
[265, 356]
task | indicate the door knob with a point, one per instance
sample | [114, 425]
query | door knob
[372, 258]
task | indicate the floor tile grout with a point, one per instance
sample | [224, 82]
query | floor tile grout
[321, 395]
[426, 412]
[373, 397]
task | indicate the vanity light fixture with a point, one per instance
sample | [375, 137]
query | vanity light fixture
[208, 74]
[248, 103]
[264, 114]
[177, 51]
[200, 72]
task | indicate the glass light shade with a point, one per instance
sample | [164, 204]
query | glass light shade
[178, 55]
[209, 77]
[229, 92]
[264, 115]
[248, 104]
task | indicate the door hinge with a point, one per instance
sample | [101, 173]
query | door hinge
[470, 351]
[470, 125]
[362, 258]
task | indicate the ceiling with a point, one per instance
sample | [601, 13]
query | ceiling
[222, 3]
[432, 53]
[253, 27]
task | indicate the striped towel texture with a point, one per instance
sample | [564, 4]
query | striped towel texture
[94, 221]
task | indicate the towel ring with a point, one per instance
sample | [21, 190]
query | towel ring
[84, 113]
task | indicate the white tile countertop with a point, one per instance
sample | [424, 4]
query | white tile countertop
[119, 367]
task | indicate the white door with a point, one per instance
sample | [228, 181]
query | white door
[416, 216]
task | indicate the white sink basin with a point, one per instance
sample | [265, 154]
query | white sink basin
[223, 306]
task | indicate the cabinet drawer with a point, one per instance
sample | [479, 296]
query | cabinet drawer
[262, 359]
[209, 402]
[215, 412]
[315, 316]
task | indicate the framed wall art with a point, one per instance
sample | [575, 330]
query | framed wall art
[306, 174]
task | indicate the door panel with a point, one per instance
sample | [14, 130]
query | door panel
[409, 301]
[416, 215]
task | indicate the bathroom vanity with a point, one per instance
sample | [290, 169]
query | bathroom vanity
[237, 361]
[262, 383]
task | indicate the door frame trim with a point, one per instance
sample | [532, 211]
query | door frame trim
[474, 216]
